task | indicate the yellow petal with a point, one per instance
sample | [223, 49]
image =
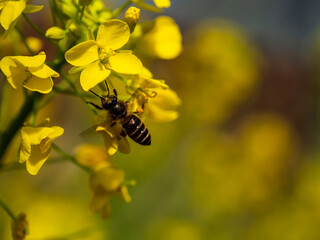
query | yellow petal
[31, 136]
[34, 61]
[35, 134]
[43, 71]
[164, 40]
[93, 74]
[153, 83]
[161, 108]
[46, 143]
[98, 201]
[125, 63]
[111, 143]
[110, 178]
[25, 148]
[42, 85]
[11, 11]
[36, 160]
[82, 54]
[91, 155]
[113, 34]
[162, 3]
[146, 73]
[14, 71]
[161, 115]
[124, 193]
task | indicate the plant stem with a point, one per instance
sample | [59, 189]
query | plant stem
[79, 93]
[69, 157]
[35, 27]
[120, 9]
[38, 30]
[23, 38]
[82, 11]
[7, 210]
[16, 123]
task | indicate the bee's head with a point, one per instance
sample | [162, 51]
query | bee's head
[109, 102]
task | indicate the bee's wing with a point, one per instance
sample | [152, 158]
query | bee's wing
[89, 132]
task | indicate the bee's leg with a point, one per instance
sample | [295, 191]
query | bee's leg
[95, 105]
[112, 124]
[123, 134]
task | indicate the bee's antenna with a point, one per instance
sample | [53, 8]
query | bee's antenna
[105, 81]
[96, 94]
[114, 90]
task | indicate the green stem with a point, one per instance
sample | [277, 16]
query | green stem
[23, 38]
[7, 210]
[16, 123]
[69, 157]
[82, 11]
[117, 11]
[18, 166]
[79, 93]
[38, 30]
[53, 13]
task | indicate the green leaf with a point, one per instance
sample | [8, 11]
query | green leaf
[74, 70]
[148, 7]
[32, 8]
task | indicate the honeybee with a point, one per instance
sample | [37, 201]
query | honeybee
[118, 112]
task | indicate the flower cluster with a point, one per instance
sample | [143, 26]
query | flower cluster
[103, 52]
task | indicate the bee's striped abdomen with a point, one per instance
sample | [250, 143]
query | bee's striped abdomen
[136, 130]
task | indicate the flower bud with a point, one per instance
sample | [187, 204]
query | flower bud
[131, 17]
[19, 227]
[55, 33]
[85, 2]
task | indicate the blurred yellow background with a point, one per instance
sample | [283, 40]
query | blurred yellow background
[240, 162]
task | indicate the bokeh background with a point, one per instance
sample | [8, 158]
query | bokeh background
[242, 160]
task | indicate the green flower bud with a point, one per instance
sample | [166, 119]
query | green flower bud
[55, 33]
[85, 2]
[131, 17]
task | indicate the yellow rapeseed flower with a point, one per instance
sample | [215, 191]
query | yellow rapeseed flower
[99, 56]
[112, 139]
[163, 41]
[104, 183]
[36, 146]
[30, 72]
[91, 155]
[162, 107]
[158, 99]
[10, 11]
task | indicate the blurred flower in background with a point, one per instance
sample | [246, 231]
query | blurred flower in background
[241, 159]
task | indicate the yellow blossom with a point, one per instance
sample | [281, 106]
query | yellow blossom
[162, 3]
[36, 146]
[158, 99]
[99, 56]
[162, 107]
[163, 41]
[10, 11]
[92, 155]
[112, 139]
[104, 183]
[30, 72]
